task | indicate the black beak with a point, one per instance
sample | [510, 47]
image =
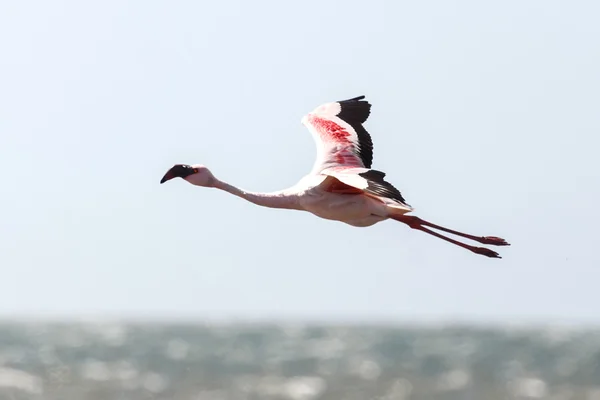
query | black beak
[177, 171]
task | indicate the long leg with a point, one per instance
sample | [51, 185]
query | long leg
[492, 240]
[416, 223]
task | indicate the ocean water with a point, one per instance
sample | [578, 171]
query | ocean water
[105, 361]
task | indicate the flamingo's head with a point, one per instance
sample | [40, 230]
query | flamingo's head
[195, 174]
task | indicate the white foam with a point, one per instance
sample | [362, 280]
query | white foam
[17, 379]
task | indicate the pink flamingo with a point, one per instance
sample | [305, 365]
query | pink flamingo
[341, 186]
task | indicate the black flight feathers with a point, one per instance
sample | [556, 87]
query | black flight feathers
[380, 187]
[355, 112]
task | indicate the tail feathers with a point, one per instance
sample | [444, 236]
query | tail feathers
[399, 209]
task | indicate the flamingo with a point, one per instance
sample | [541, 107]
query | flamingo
[341, 185]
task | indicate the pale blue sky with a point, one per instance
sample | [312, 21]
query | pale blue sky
[485, 115]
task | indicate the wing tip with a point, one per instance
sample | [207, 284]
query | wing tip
[355, 109]
[355, 98]
[380, 187]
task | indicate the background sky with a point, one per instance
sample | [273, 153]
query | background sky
[485, 115]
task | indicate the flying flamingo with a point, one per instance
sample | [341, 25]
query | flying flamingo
[341, 186]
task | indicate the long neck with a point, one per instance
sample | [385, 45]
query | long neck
[272, 200]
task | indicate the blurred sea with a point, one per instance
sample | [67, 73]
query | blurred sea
[105, 361]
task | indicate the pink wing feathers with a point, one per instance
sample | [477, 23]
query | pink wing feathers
[345, 150]
[340, 137]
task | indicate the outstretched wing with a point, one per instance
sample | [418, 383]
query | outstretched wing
[369, 181]
[340, 137]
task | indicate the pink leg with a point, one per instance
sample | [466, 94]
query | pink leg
[493, 240]
[419, 224]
